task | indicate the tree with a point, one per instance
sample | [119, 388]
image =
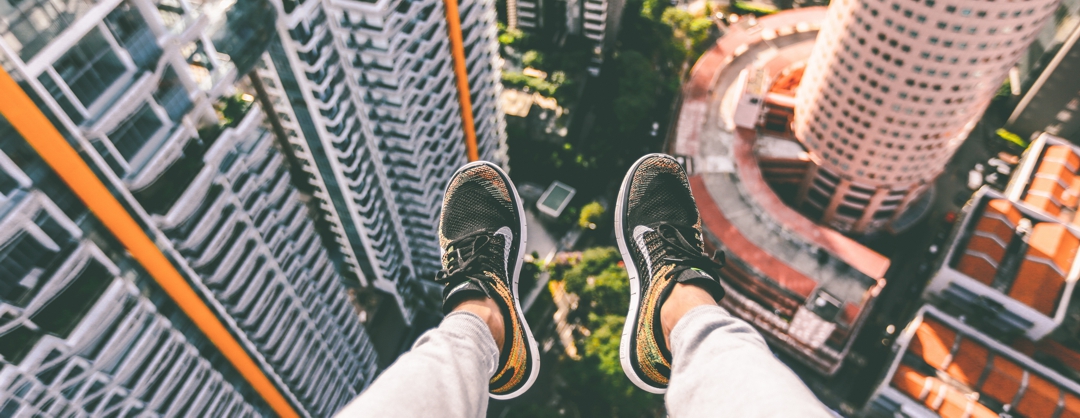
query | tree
[519, 80]
[533, 58]
[595, 385]
[510, 37]
[690, 34]
[637, 91]
[591, 215]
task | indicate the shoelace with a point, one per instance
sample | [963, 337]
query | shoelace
[684, 254]
[472, 255]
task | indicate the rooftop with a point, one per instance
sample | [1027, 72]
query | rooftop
[1048, 178]
[949, 368]
[806, 286]
[1016, 252]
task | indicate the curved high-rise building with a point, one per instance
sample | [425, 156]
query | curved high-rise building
[890, 92]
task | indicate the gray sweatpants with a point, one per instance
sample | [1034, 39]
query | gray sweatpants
[721, 367]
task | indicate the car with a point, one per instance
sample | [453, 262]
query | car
[975, 178]
[1001, 166]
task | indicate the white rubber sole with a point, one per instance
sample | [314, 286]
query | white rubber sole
[534, 352]
[635, 281]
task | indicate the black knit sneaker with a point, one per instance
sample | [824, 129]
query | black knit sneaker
[658, 230]
[482, 236]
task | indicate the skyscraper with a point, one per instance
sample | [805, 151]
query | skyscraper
[891, 91]
[367, 95]
[153, 95]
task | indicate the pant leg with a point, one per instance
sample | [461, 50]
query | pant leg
[722, 367]
[445, 374]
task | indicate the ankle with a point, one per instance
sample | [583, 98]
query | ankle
[682, 299]
[489, 312]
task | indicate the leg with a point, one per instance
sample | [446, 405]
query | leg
[676, 339]
[709, 346]
[445, 374]
[483, 347]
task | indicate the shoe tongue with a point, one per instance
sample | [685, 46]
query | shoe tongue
[701, 279]
[453, 295]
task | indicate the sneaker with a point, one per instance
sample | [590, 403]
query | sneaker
[482, 236]
[658, 230]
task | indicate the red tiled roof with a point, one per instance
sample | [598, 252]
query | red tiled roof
[986, 247]
[1004, 208]
[1055, 184]
[969, 362]
[1041, 277]
[1002, 380]
[933, 341]
[978, 268]
[947, 401]
[909, 381]
[1062, 154]
[1040, 399]
[966, 365]
[1072, 407]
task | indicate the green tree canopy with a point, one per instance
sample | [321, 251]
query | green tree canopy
[637, 91]
[533, 58]
[591, 214]
[596, 384]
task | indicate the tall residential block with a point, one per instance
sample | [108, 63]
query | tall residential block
[890, 92]
[155, 98]
[367, 96]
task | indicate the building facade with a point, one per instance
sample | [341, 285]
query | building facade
[1053, 102]
[597, 21]
[992, 337]
[890, 92]
[368, 100]
[154, 95]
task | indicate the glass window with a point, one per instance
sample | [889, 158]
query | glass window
[62, 99]
[90, 67]
[172, 95]
[27, 26]
[23, 261]
[130, 136]
[130, 30]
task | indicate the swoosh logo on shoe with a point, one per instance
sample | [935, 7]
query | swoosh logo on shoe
[508, 237]
[639, 238]
[459, 287]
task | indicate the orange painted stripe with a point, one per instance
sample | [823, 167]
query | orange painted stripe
[457, 50]
[28, 120]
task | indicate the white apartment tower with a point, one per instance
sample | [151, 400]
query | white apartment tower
[367, 93]
[152, 94]
[892, 89]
